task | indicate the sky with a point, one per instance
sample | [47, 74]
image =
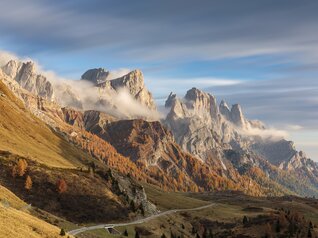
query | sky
[261, 54]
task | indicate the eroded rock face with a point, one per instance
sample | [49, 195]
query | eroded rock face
[96, 76]
[133, 82]
[25, 74]
[210, 131]
[237, 116]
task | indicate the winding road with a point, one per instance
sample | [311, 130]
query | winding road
[101, 226]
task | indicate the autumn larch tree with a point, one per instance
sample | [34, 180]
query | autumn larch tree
[21, 167]
[61, 186]
[28, 183]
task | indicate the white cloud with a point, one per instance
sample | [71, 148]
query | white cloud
[267, 134]
[294, 127]
[68, 91]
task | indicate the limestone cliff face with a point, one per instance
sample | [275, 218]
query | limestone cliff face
[133, 82]
[210, 131]
[25, 74]
[96, 76]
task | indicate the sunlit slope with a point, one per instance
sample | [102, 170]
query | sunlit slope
[9, 198]
[23, 134]
[19, 224]
[14, 222]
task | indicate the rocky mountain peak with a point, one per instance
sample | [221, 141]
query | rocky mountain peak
[25, 74]
[225, 110]
[96, 76]
[11, 68]
[178, 109]
[133, 81]
[237, 116]
[172, 96]
[202, 102]
[198, 99]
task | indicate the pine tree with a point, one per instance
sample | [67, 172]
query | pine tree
[309, 235]
[311, 225]
[277, 228]
[205, 233]
[28, 183]
[245, 220]
[62, 232]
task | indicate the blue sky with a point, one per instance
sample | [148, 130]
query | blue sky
[261, 54]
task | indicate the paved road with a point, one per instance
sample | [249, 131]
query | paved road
[101, 226]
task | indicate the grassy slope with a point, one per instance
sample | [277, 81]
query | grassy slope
[229, 209]
[171, 200]
[17, 223]
[23, 134]
[7, 196]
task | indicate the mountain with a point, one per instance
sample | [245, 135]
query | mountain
[208, 130]
[207, 145]
[125, 97]
[133, 82]
[25, 74]
[55, 151]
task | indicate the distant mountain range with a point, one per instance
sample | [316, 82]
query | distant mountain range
[199, 145]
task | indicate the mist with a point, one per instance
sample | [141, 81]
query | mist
[84, 95]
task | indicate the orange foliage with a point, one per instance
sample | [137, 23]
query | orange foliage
[61, 186]
[28, 183]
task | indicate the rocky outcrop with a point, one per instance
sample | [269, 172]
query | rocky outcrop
[209, 132]
[96, 76]
[133, 83]
[237, 116]
[25, 74]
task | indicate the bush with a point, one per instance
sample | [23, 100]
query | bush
[62, 232]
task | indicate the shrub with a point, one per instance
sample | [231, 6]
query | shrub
[62, 232]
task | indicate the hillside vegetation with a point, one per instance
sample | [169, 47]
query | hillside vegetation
[19, 224]
[19, 128]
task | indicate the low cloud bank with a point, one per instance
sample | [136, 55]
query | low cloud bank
[84, 95]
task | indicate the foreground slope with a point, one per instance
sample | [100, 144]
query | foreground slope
[25, 135]
[16, 221]
[92, 191]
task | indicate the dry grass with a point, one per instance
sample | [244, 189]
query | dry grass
[11, 198]
[171, 200]
[23, 134]
[18, 224]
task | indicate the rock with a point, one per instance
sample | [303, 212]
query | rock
[133, 82]
[237, 116]
[172, 96]
[25, 74]
[96, 76]
[225, 110]
[217, 134]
